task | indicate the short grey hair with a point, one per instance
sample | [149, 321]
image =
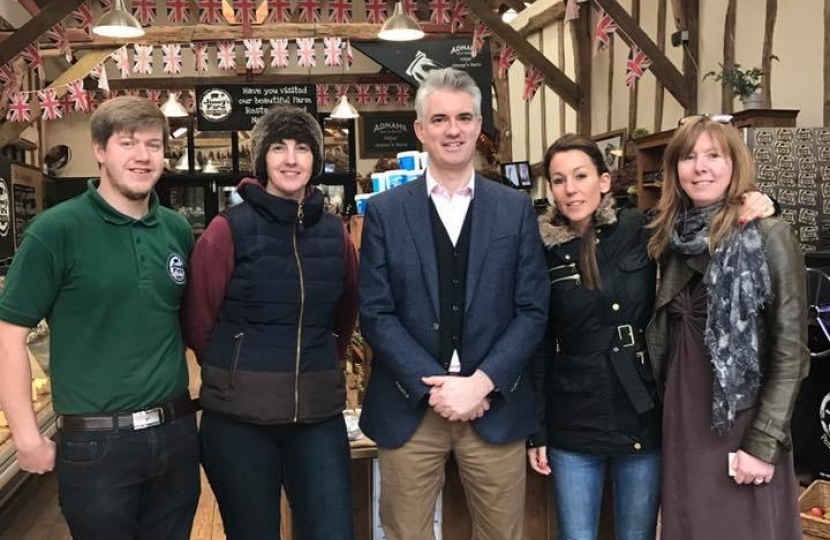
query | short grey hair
[446, 79]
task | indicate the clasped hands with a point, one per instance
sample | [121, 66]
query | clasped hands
[460, 399]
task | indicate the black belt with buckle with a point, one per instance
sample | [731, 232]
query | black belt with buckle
[134, 421]
[624, 336]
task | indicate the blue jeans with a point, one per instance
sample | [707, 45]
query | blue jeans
[130, 485]
[577, 488]
[248, 464]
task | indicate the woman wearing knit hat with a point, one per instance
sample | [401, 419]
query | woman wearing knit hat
[269, 310]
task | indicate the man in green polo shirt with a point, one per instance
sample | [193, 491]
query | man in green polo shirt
[107, 270]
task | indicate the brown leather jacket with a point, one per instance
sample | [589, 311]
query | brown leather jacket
[785, 359]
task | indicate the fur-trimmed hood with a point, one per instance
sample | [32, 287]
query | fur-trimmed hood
[555, 229]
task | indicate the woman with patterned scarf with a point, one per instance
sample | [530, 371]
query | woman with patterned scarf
[727, 345]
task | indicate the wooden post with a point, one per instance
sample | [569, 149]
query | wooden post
[635, 88]
[659, 91]
[766, 55]
[727, 97]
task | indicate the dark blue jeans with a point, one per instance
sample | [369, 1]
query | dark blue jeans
[577, 487]
[130, 485]
[247, 464]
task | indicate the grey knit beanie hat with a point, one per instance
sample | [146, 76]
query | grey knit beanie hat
[281, 123]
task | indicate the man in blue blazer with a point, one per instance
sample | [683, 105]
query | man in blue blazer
[454, 296]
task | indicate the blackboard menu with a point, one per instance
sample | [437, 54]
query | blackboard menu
[386, 134]
[237, 107]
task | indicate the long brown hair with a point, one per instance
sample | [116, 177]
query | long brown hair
[674, 201]
[588, 252]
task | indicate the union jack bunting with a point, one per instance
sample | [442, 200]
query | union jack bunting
[121, 57]
[460, 12]
[340, 11]
[100, 72]
[440, 11]
[83, 16]
[506, 58]
[309, 10]
[144, 11]
[19, 110]
[402, 95]
[34, 59]
[254, 54]
[61, 40]
[306, 56]
[636, 65]
[480, 32]
[143, 59]
[200, 57]
[50, 105]
[363, 96]
[279, 53]
[349, 54]
[572, 9]
[210, 11]
[604, 31]
[245, 13]
[78, 96]
[533, 80]
[154, 96]
[172, 58]
[226, 55]
[177, 11]
[382, 94]
[106, 4]
[279, 10]
[375, 11]
[322, 95]
[8, 78]
[410, 7]
[133, 92]
[341, 90]
[332, 51]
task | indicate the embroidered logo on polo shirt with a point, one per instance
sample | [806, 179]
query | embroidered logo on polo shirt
[5, 208]
[175, 267]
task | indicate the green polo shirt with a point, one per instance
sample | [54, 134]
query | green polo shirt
[110, 287]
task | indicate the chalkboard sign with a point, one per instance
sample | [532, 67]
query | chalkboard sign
[237, 107]
[386, 134]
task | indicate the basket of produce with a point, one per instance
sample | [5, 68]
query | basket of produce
[814, 504]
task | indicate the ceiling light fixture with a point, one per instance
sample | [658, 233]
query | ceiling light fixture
[400, 27]
[344, 110]
[509, 16]
[172, 108]
[118, 22]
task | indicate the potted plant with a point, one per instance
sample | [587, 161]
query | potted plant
[744, 83]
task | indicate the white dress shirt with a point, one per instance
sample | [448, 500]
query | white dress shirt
[452, 209]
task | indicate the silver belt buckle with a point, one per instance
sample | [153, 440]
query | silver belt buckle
[626, 331]
[148, 418]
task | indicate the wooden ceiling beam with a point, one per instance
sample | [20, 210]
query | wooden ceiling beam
[551, 14]
[37, 25]
[556, 79]
[673, 80]
[165, 83]
[163, 34]
[10, 131]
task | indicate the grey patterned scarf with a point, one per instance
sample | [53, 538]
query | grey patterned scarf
[738, 282]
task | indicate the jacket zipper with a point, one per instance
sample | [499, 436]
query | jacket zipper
[237, 349]
[566, 278]
[298, 227]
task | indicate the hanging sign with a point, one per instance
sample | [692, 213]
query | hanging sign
[237, 107]
[412, 60]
